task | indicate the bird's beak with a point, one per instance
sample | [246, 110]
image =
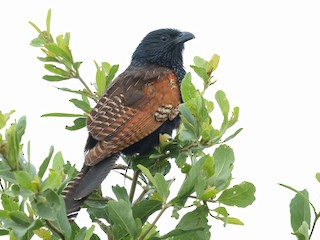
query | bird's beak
[183, 37]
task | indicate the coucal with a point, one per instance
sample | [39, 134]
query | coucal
[141, 103]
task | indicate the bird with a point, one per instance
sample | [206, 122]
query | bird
[138, 105]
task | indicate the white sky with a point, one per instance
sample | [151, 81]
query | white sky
[270, 58]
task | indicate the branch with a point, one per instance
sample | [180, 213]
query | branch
[314, 224]
[165, 206]
[55, 229]
[134, 184]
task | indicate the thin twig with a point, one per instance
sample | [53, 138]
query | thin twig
[55, 229]
[86, 86]
[165, 206]
[134, 184]
[314, 224]
[120, 166]
[144, 191]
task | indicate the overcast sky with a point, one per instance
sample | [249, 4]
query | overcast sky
[269, 67]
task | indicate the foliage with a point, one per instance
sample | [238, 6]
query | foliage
[300, 213]
[31, 198]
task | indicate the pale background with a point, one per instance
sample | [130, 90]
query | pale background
[270, 58]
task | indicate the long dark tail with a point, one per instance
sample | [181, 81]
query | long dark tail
[86, 181]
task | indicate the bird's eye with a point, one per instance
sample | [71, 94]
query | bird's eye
[164, 38]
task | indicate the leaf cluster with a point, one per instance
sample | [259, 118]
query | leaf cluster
[300, 213]
[31, 198]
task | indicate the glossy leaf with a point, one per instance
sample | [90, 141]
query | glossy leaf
[121, 193]
[188, 90]
[300, 210]
[45, 163]
[202, 72]
[55, 78]
[145, 208]
[78, 124]
[9, 203]
[24, 179]
[158, 181]
[213, 63]
[59, 71]
[52, 47]
[81, 104]
[302, 233]
[193, 220]
[120, 213]
[223, 158]
[223, 103]
[111, 74]
[232, 135]
[200, 62]
[318, 176]
[4, 117]
[241, 195]
[52, 208]
[61, 115]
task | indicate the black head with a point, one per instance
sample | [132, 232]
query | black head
[162, 47]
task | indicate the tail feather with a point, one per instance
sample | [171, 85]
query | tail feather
[86, 181]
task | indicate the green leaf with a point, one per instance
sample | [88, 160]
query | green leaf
[302, 232]
[223, 158]
[82, 93]
[78, 124]
[52, 207]
[4, 117]
[62, 115]
[200, 62]
[55, 78]
[300, 210]
[188, 90]
[76, 65]
[318, 176]
[201, 72]
[158, 181]
[20, 128]
[145, 208]
[56, 50]
[241, 195]
[233, 135]
[193, 220]
[81, 104]
[48, 59]
[174, 234]
[58, 162]
[235, 221]
[9, 203]
[53, 181]
[111, 73]
[121, 193]
[45, 163]
[35, 27]
[3, 232]
[38, 41]
[121, 213]
[234, 117]
[100, 79]
[213, 63]
[48, 20]
[42, 233]
[53, 69]
[187, 187]
[24, 179]
[221, 211]
[20, 218]
[223, 103]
